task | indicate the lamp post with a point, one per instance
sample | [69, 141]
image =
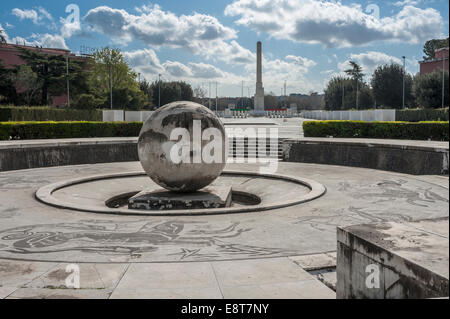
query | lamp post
[159, 90]
[68, 87]
[110, 84]
[403, 90]
[216, 97]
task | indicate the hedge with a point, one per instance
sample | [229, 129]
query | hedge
[46, 113]
[418, 115]
[50, 130]
[437, 131]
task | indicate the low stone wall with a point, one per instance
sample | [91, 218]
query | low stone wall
[393, 260]
[127, 116]
[46, 153]
[410, 157]
[368, 116]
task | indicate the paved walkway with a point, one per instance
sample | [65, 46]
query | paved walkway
[251, 255]
[246, 279]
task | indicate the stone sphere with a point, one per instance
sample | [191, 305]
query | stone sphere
[155, 147]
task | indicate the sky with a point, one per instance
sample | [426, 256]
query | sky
[211, 43]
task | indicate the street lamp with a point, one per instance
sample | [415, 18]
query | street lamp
[159, 90]
[404, 71]
[67, 81]
[110, 85]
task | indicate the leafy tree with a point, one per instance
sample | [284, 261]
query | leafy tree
[187, 93]
[127, 98]
[199, 92]
[87, 101]
[27, 83]
[50, 69]
[432, 45]
[270, 101]
[387, 85]
[145, 87]
[170, 92]
[428, 90]
[109, 67]
[79, 77]
[355, 72]
[340, 94]
[7, 89]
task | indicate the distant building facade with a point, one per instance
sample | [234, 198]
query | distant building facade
[10, 57]
[439, 62]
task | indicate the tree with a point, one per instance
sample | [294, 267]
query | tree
[7, 89]
[271, 101]
[431, 46]
[387, 85]
[27, 83]
[146, 87]
[340, 94]
[428, 89]
[199, 92]
[87, 101]
[171, 92]
[50, 69]
[355, 72]
[109, 67]
[186, 91]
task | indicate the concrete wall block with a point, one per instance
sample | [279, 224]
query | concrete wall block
[113, 116]
[345, 115]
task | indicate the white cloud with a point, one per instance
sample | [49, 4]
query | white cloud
[177, 69]
[407, 3]
[147, 63]
[199, 33]
[4, 33]
[26, 14]
[37, 16]
[69, 28]
[53, 41]
[205, 71]
[334, 24]
[369, 61]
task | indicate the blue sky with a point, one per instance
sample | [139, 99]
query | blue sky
[305, 42]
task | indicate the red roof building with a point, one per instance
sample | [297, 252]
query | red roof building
[439, 62]
[10, 57]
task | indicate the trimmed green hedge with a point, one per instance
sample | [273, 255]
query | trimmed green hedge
[46, 113]
[50, 130]
[418, 115]
[437, 131]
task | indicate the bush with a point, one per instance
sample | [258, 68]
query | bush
[51, 130]
[418, 115]
[46, 113]
[437, 131]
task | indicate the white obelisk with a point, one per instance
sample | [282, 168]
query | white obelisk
[259, 94]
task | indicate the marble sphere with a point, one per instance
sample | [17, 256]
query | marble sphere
[154, 147]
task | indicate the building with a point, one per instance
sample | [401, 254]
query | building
[10, 57]
[439, 62]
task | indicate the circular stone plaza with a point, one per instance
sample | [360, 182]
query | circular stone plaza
[330, 213]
